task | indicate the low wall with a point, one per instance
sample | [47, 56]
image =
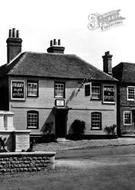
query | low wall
[14, 162]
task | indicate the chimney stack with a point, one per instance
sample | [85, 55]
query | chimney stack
[55, 47]
[107, 63]
[14, 44]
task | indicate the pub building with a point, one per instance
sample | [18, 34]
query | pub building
[48, 92]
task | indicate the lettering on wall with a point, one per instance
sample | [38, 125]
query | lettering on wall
[109, 94]
[17, 90]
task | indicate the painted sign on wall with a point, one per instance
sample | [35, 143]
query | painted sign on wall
[109, 94]
[17, 90]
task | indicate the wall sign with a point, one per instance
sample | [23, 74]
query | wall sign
[60, 102]
[108, 94]
[17, 90]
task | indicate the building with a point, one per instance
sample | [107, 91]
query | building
[125, 73]
[49, 91]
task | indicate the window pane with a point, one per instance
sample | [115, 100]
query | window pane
[96, 120]
[32, 89]
[131, 93]
[32, 120]
[87, 89]
[96, 92]
[127, 118]
[59, 90]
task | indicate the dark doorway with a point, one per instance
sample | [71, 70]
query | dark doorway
[133, 120]
[61, 123]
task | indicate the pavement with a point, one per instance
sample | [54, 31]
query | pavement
[81, 144]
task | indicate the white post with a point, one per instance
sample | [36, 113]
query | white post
[9, 124]
[2, 121]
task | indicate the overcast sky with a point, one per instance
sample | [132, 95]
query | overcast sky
[39, 21]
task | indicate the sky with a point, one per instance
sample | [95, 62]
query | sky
[40, 21]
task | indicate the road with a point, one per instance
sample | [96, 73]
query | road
[106, 168]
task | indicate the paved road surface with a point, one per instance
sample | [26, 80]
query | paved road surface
[101, 168]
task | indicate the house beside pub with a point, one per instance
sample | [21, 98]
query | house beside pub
[125, 73]
[49, 91]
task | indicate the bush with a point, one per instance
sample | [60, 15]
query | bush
[110, 130]
[77, 129]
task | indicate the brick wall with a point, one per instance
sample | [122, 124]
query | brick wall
[25, 162]
[125, 105]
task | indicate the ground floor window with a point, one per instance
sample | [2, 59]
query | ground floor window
[32, 119]
[127, 117]
[96, 121]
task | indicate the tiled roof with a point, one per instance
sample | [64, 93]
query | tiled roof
[53, 65]
[125, 72]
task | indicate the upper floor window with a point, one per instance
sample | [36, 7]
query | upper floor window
[32, 89]
[131, 93]
[127, 117]
[96, 121]
[96, 91]
[108, 94]
[59, 90]
[87, 89]
[32, 119]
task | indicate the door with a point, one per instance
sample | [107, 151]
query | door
[61, 123]
[133, 120]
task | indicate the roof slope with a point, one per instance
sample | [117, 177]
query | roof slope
[53, 65]
[125, 72]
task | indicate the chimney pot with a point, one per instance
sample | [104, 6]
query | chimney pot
[51, 43]
[107, 52]
[54, 42]
[10, 33]
[59, 42]
[17, 34]
[13, 32]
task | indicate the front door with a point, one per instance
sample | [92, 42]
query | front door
[61, 123]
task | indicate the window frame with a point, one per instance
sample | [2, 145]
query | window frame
[33, 112]
[57, 96]
[130, 99]
[96, 85]
[100, 121]
[37, 83]
[124, 113]
[24, 90]
[108, 86]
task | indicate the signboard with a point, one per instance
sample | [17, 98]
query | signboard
[17, 90]
[60, 102]
[21, 141]
[109, 94]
